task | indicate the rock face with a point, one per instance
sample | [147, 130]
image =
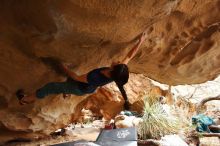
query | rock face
[182, 47]
[54, 112]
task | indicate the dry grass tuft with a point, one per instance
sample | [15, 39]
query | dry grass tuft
[156, 122]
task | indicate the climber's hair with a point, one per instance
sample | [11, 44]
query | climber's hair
[120, 75]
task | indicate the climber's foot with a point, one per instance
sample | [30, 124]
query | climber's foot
[20, 95]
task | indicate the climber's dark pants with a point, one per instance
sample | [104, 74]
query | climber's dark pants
[68, 87]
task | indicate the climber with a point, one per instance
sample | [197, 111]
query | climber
[87, 83]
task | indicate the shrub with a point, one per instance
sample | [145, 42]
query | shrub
[156, 122]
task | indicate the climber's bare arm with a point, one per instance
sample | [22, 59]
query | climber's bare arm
[81, 78]
[134, 50]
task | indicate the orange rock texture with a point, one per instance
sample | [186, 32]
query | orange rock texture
[182, 47]
[54, 112]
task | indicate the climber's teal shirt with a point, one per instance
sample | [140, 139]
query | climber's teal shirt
[95, 79]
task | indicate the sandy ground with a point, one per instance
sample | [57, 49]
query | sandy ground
[210, 141]
[88, 133]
